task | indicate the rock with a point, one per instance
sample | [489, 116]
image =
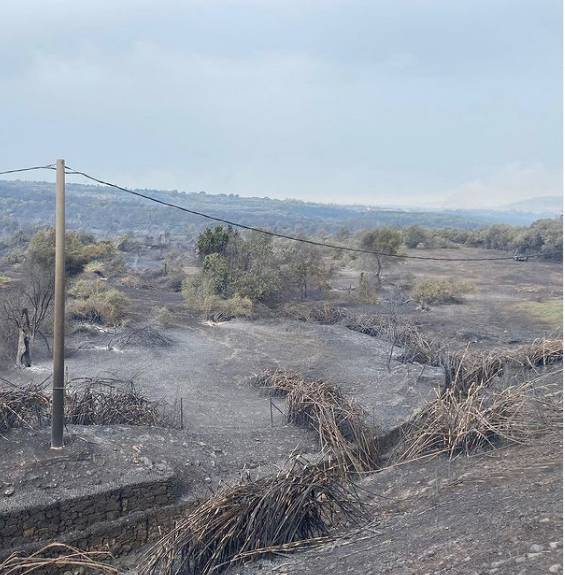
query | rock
[146, 461]
[9, 492]
[207, 480]
[555, 545]
[532, 556]
[535, 548]
[555, 568]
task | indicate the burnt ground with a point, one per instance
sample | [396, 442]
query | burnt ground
[498, 512]
[499, 312]
[431, 517]
[227, 423]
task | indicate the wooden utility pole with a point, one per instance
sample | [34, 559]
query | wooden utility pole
[58, 413]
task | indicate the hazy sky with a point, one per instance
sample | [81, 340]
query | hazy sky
[396, 101]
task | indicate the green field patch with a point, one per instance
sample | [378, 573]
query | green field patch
[549, 311]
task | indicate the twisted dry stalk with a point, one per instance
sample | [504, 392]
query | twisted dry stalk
[343, 433]
[294, 508]
[57, 558]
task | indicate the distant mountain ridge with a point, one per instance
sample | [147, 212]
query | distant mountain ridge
[543, 204]
[106, 211]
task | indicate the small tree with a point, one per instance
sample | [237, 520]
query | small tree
[386, 241]
[27, 308]
[307, 269]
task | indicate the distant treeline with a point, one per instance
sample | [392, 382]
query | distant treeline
[543, 236]
[28, 206]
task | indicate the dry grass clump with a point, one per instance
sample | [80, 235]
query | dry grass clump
[456, 423]
[296, 507]
[323, 313]
[344, 435]
[539, 352]
[93, 301]
[105, 401]
[22, 407]
[57, 558]
[437, 291]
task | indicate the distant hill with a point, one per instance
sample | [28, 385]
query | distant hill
[543, 205]
[104, 211]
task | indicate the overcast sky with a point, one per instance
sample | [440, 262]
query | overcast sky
[453, 102]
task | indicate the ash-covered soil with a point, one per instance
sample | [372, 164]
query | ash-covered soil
[495, 513]
[98, 458]
[497, 312]
[227, 422]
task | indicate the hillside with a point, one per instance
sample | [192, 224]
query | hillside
[102, 211]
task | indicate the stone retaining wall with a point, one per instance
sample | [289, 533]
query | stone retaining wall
[49, 522]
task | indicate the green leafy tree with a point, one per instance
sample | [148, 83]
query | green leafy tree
[415, 235]
[213, 241]
[386, 241]
[216, 273]
[306, 269]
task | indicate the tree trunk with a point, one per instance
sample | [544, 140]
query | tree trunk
[24, 341]
[378, 271]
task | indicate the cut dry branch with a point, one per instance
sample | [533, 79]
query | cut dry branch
[340, 423]
[57, 558]
[297, 506]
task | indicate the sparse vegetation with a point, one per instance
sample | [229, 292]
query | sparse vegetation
[438, 291]
[549, 312]
[93, 301]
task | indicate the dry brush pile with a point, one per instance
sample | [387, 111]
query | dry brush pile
[88, 401]
[340, 423]
[296, 507]
[481, 418]
[107, 401]
[22, 406]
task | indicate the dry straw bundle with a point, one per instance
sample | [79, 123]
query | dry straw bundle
[296, 507]
[22, 407]
[456, 423]
[340, 423]
[57, 558]
[106, 401]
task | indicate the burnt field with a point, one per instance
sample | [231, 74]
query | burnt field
[509, 302]
[177, 436]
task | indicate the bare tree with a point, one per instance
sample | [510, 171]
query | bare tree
[26, 309]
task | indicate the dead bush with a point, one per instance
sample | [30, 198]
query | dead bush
[143, 336]
[321, 313]
[437, 291]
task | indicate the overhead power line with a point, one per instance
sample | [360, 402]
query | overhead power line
[271, 233]
[47, 167]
